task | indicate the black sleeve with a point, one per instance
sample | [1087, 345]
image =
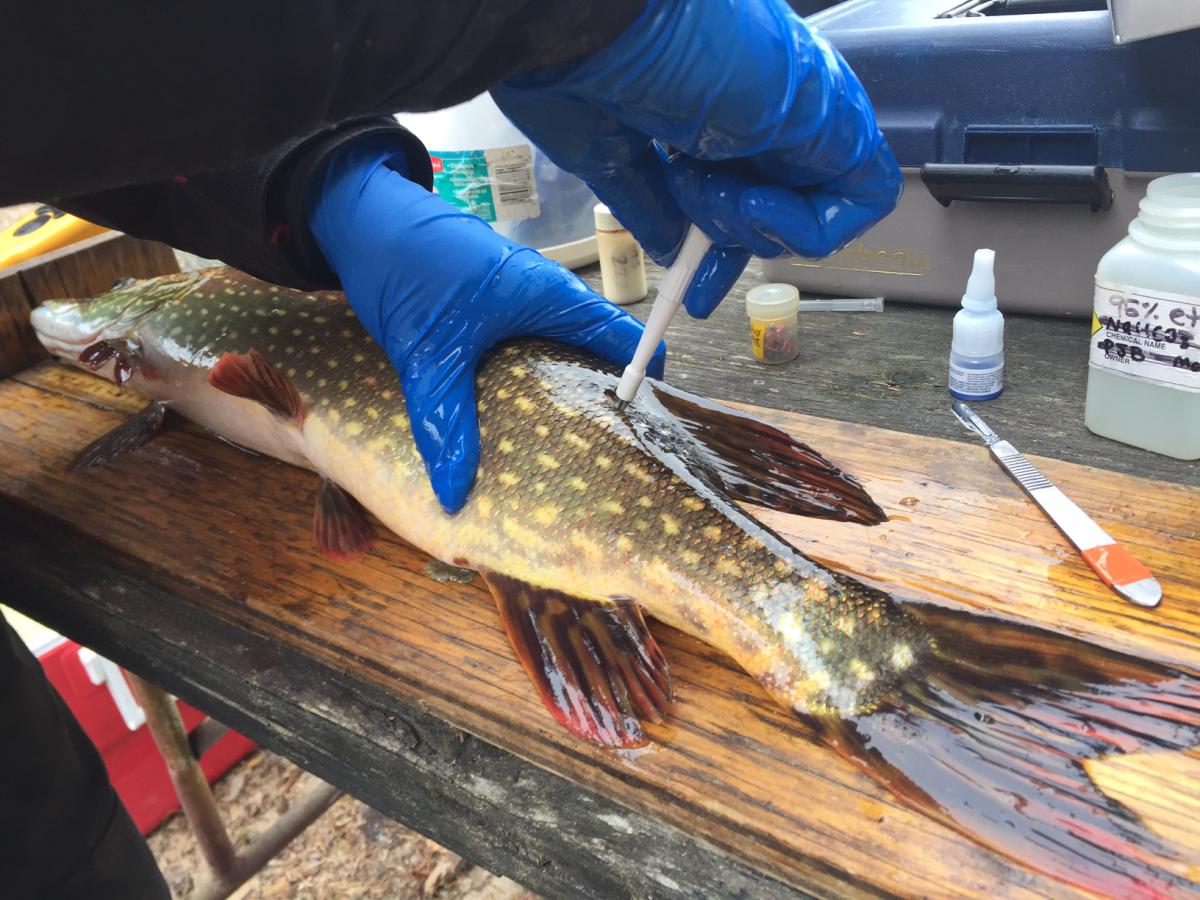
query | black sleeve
[189, 122]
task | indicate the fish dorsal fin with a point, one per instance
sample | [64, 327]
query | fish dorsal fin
[594, 662]
[252, 376]
[127, 436]
[754, 462]
[341, 528]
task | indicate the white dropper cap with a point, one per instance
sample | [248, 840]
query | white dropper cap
[979, 328]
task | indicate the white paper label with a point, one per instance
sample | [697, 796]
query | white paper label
[976, 382]
[1150, 335]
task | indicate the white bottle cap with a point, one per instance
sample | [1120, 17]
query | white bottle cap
[605, 220]
[772, 301]
[979, 328]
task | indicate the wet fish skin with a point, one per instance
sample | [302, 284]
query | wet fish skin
[569, 491]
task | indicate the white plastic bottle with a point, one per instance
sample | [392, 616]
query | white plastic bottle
[622, 266]
[1144, 361]
[977, 347]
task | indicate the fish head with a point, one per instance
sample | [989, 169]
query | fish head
[68, 327]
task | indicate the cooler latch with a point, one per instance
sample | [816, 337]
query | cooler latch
[1083, 185]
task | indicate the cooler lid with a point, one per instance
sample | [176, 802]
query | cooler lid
[1021, 82]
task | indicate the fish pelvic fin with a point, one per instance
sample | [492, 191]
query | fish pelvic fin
[124, 354]
[594, 662]
[252, 376]
[993, 743]
[758, 463]
[341, 527]
[153, 420]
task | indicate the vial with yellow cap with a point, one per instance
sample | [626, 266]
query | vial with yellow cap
[774, 326]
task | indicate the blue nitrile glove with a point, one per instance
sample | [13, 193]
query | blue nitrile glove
[775, 144]
[437, 287]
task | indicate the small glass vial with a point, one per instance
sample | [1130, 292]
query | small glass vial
[1144, 356]
[622, 266]
[774, 326]
[977, 345]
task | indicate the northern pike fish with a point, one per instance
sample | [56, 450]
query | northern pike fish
[583, 516]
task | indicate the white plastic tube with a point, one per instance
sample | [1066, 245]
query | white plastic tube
[675, 283]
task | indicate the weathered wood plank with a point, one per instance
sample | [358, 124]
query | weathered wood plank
[889, 369]
[229, 536]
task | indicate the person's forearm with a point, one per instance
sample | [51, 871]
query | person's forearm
[118, 95]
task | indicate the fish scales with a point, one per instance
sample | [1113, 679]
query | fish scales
[581, 516]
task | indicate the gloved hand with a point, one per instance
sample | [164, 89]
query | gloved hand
[437, 287]
[777, 146]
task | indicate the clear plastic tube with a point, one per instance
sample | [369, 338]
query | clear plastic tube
[842, 304]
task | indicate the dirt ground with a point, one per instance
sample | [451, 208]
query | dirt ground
[349, 852]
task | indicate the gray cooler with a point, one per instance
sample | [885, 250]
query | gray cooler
[1021, 126]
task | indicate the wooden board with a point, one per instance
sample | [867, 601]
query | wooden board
[230, 534]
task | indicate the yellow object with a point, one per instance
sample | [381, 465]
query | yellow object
[45, 230]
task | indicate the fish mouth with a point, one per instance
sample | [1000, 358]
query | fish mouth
[62, 330]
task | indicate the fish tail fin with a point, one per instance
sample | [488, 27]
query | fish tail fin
[994, 739]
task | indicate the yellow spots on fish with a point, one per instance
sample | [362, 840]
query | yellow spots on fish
[506, 446]
[902, 657]
[577, 483]
[845, 625]
[483, 431]
[546, 514]
[320, 320]
[604, 462]
[235, 309]
[695, 504]
[358, 357]
[482, 407]
[321, 382]
[349, 403]
[588, 547]
[670, 524]
[826, 645]
[518, 371]
[625, 544]
[310, 373]
[314, 349]
[861, 672]
[612, 507]
[346, 332]
[641, 525]
[541, 430]
[503, 393]
[331, 363]
[645, 502]
[273, 288]
[484, 506]
[728, 567]
[372, 413]
[539, 487]
[691, 557]
[254, 329]
[203, 311]
[233, 335]
[576, 441]
[816, 591]
[386, 395]
[289, 350]
[520, 534]
[523, 403]
[507, 478]
[176, 330]
[790, 628]
[354, 428]
[820, 679]
[349, 313]
[400, 421]
[639, 473]
[545, 460]
[296, 332]
[291, 373]
[273, 330]
[711, 532]
[782, 566]
[379, 445]
[302, 313]
[335, 416]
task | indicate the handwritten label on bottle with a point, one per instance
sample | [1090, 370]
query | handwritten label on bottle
[1150, 335]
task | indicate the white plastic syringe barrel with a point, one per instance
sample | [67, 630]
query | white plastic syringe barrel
[676, 280]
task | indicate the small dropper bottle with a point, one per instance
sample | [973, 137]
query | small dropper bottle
[977, 348]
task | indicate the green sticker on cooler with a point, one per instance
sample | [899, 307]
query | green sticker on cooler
[496, 185]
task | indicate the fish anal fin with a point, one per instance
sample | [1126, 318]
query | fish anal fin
[594, 662]
[758, 463]
[127, 436]
[252, 376]
[341, 528]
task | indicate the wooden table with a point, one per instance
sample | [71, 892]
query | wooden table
[191, 565]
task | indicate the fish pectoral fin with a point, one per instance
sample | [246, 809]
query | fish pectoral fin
[341, 527]
[252, 376]
[153, 420]
[758, 463]
[594, 662]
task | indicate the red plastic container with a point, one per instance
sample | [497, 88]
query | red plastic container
[136, 769]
